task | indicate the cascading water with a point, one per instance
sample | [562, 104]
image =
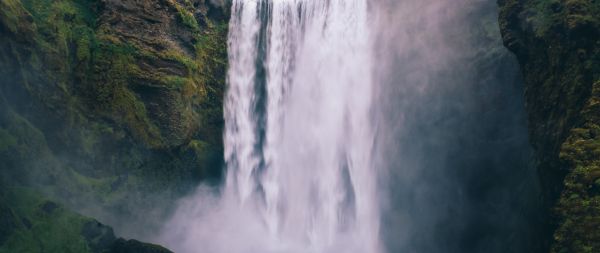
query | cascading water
[298, 137]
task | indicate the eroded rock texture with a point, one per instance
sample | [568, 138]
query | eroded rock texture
[111, 107]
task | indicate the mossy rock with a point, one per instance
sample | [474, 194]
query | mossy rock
[103, 103]
[39, 225]
[33, 224]
[133, 246]
[556, 43]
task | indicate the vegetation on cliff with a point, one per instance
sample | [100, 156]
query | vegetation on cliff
[111, 107]
[34, 224]
[558, 46]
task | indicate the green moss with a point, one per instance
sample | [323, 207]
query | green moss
[556, 44]
[60, 24]
[43, 226]
[29, 139]
[212, 54]
[89, 135]
[578, 233]
[114, 65]
[542, 16]
[83, 41]
[581, 13]
[579, 204]
[186, 17]
[7, 141]
[176, 81]
[201, 149]
[11, 13]
[191, 64]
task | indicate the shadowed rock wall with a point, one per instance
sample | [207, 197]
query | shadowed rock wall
[557, 44]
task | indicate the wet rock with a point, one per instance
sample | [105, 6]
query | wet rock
[98, 236]
[133, 246]
[101, 239]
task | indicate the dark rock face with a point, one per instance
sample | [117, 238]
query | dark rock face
[101, 239]
[557, 44]
[34, 224]
[7, 223]
[98, 236]
[133, 246]
[111, 107]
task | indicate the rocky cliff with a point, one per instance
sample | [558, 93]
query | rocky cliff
[110, 107]
[557, 44]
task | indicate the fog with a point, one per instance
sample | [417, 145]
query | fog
[456, 168]
[298, 136]
[441, 128]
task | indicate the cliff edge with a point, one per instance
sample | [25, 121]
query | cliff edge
[558, 47]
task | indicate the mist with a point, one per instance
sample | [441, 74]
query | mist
[355, 126]
[456, 167]
[298, 138]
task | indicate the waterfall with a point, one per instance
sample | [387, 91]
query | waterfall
[298, 135]
[298, 138]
